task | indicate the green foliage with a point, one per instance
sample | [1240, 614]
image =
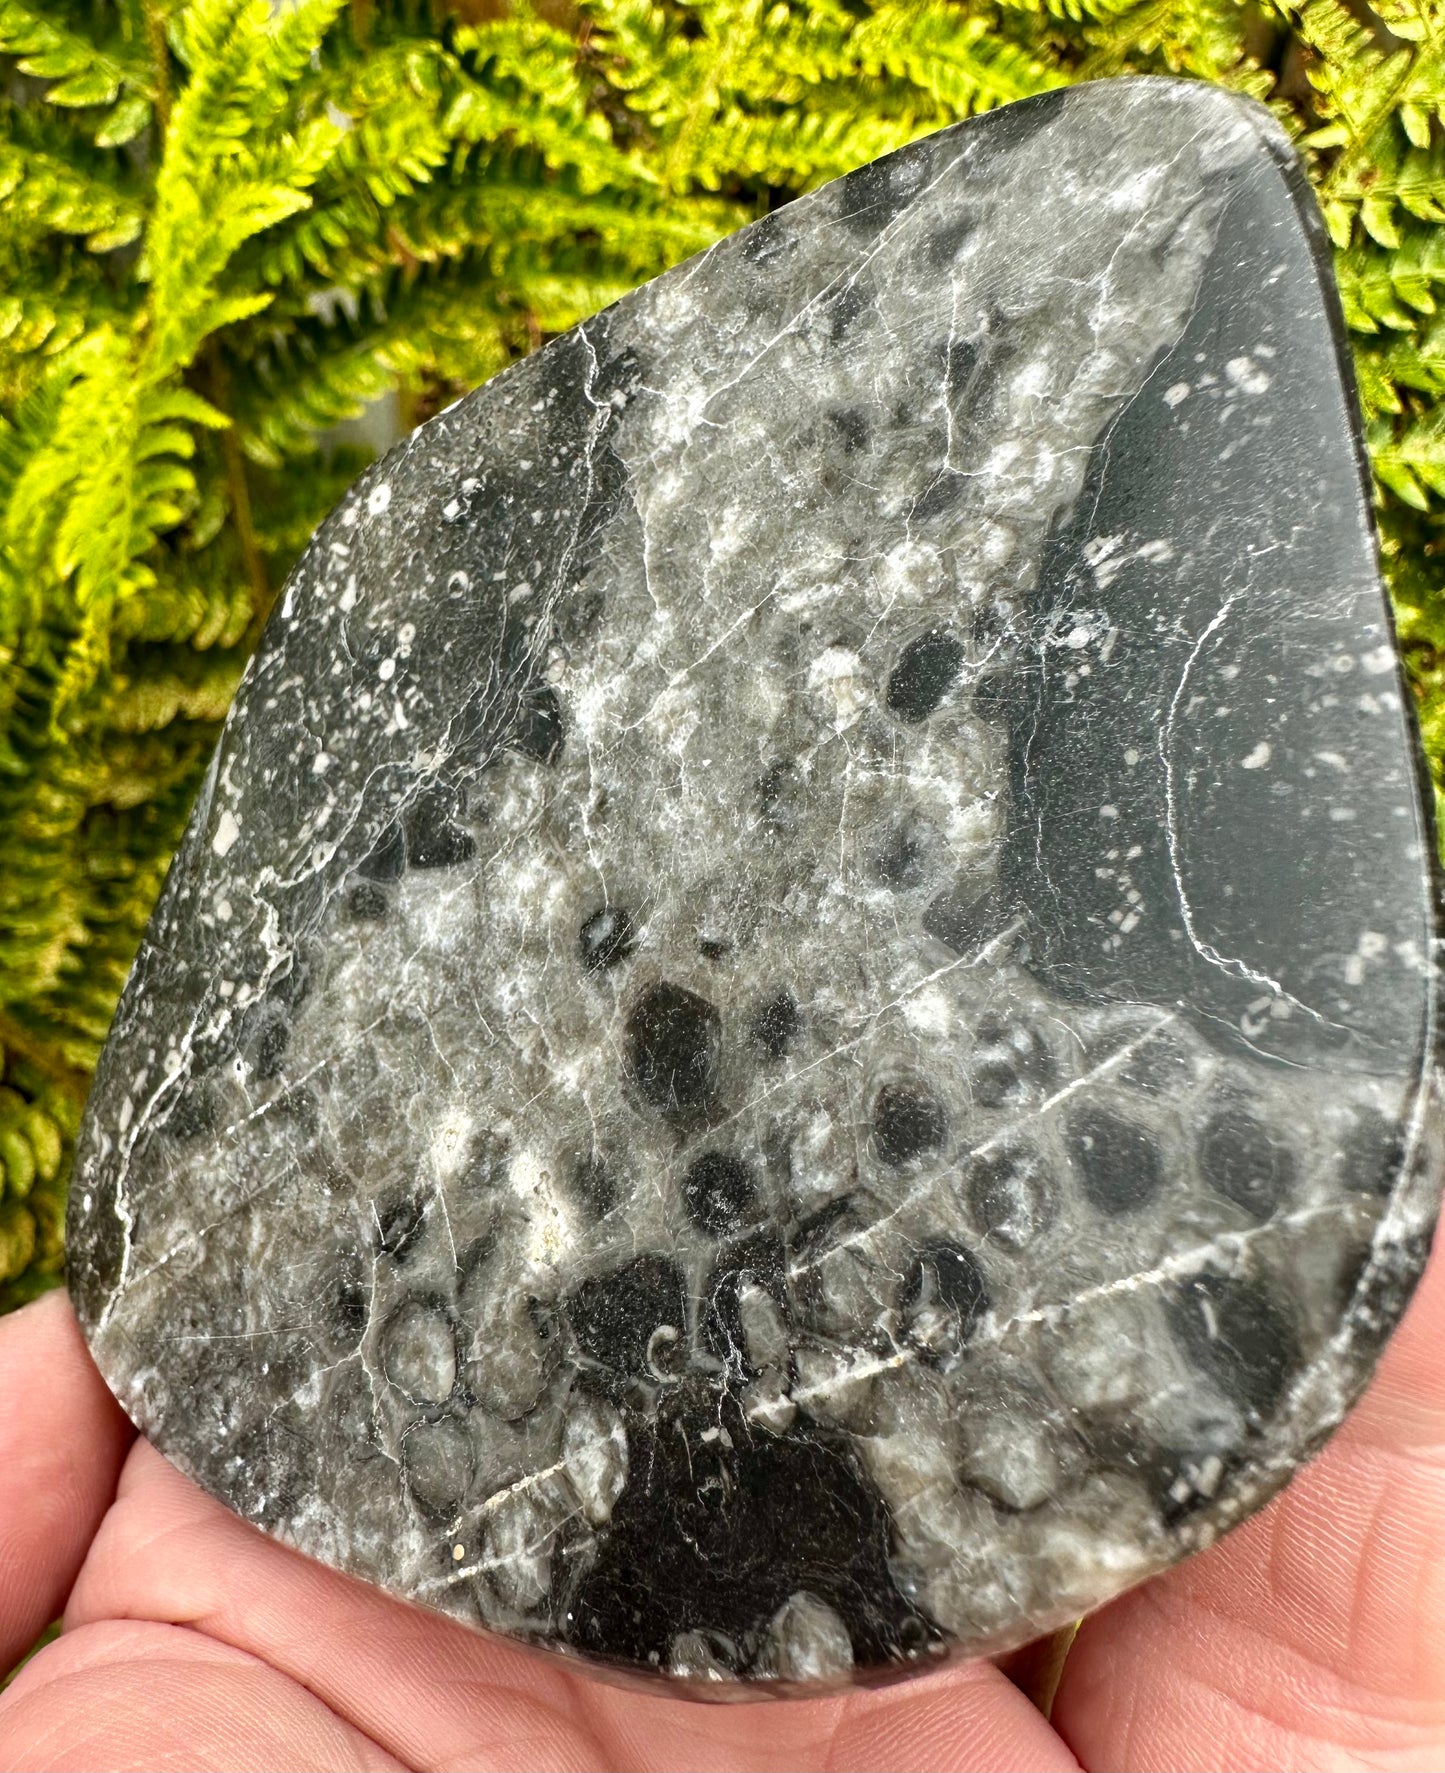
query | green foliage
[226, 226]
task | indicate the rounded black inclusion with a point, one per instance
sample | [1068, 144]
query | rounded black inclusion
[433, 839]
[614, 1316]
[268, 1048]
[716, 1530]
[367, 902]
[1239, 1159]
[539, 731]
[398, 1223]
[719, 1193]
[606, 937]
[595, 1183]
[1372, 1155]
[387, 860]
[1117, 1161]
[946, 1277]
[673, 1036]
[1010, 1194]
[193, 1114]
[760, 1260]
[907, 1123]
[776, 1025]
[900, 860]
[1238, 1335]
[924, 674]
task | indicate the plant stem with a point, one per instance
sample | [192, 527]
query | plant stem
[241, 516]
[1037, 1669]
[160, 52]
[238, 490]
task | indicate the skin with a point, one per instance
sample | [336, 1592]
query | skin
[1312, 1638]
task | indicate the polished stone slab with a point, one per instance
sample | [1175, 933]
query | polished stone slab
[795, 1028]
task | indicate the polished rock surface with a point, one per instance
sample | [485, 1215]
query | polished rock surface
[795, 1028]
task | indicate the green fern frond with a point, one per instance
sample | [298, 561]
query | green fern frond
[962, 65]
[96, 61]
[47, 303]
[230, 170]
[1393, 289]
[200, 600]
[50, 182]
[325, 368]
[95, 493]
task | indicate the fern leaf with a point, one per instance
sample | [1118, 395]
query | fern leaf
[48, 184]
[213, 193]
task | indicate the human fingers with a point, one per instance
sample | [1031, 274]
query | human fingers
[62, 1440]
[963, 1718]
[1314, 1637]
[437, 1695]
[129, 1694]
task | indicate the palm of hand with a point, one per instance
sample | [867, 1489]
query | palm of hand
[1312, 1638]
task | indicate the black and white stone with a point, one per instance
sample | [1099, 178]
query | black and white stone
[794, 1030]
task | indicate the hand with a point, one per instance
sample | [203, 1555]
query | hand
[1314, 1637]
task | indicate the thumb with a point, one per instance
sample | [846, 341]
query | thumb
[62, 1439]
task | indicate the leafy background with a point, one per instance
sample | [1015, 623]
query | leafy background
[245, 242]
